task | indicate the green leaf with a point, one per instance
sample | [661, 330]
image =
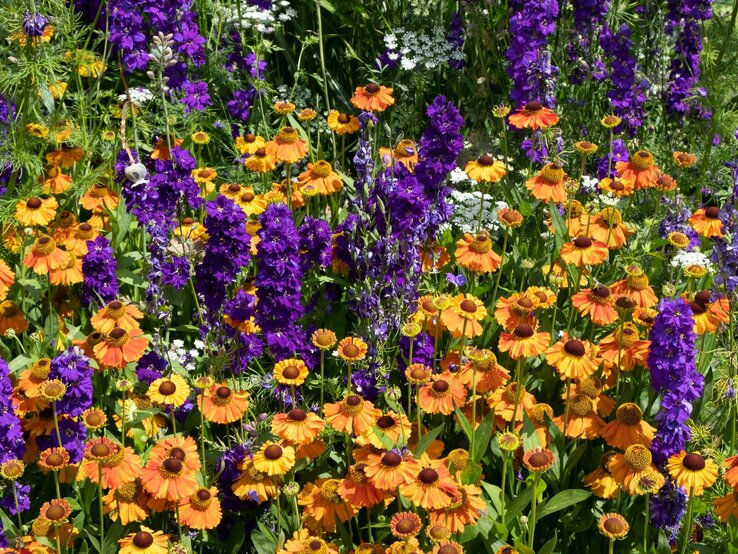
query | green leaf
[530, 437]
[562, 500]
[387, 442]
[262, 539]
[548, 548]
[472, 473]
[426, 440]
[523, 548]
[482, 436]
[518, 505]
[464, 423]
[33, 287]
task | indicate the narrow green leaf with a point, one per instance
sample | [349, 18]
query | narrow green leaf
[562, 500]
[464, 423]
[426, 440]
[548, 548]
[518, 505]
[482, 436]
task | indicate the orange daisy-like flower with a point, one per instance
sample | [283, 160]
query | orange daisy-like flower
[617, 187]
[624, 348]
[636, 287]
[393, 426]
[357, 490]
[485, 168]
[372, 98]
[254, 481]
[36, 211]
[30, 379]
[573, 358]
[405, 525]
[405, 152]
[390, 469]
[221, 404]
[549, 184]
[524, 341]
[68, 274]
[597, 304]
[629, 467]
[584, 251]
[608, 228]
[342, 124]
[44, 256]
[489, 374]
[116, 314]
[120, 347]
[274, 459]
[600, 481]
[508, 403]
[432, 487]
[628, 428]
[665, 183]
[442, 395]
[323, 507]
[613, 526]
[145, 541]
[433, 256]
[261, 161]
[683, 159]
[249, 143]
[640, 169]
[707, 314]
[118, 465]
[161, 148]
[466, 508]
[692, 471]
[129, 503]
[511, 219]
[287, 146]
[518, 308]
[475, 253]
[727, 506]
[418, 374]
[352, 349]
[352, 415]
[464, 315]
[53, 459]
[290, 372]
[321, 175]
[99, 197]
[583, 421]
[297, 426]
[533, 116]
[201, 510]
[7, 278]
[706, 222]
[56, 511]
[323, 339]
[538, 460]
[170, 470]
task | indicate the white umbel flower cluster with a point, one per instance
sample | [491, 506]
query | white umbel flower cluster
[466, 213]
[683, 259]
[252, 17]
[419, 51]
[139, 96]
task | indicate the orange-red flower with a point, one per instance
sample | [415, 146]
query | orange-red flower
[629, 467]
[549, 184]
[297, 426]
[518, 308]
[221, 404]
[533, 116]
[99, 197]
[170, 470]
[466, 508]
[640, 169]
[357, 490]
[706, 222]
[624, 348]
[608, 228]
[129, 503]
[323, 506]
[405, 152]
[524, 341]
[597, 303]
[464, 315]
[116, 314]
[475, 253]
[617, 187]
[119, 347]
[352, 415]
[36, 211]
[636, 287]
[573, 358]
[201, 510]
[372, 98]
[601, 481]
[390, 469]
[485, 168]
[44, 256]
[442, 395]
[253, 480]
[119, 465]
[342, 124]
[432, 487]
[628, 428]
[321, 175]
[584, 251]
[583, 421]
[287, 146]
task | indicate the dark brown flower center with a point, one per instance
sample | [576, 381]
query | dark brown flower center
[117, 334]
[172, 465]
[372, 88]
[54, 513]
[533, 106]
[291, 372]
[297, 414]
[574, 347]
[351, 350]
[448, 549]
[391, 459]
[694, 462]
[167, 388]
[418, 374]
[526, 303]
[469, 306]
[486, 160]
[428, 476]
[203, 494]
[177, 453]
[34, 203]
[54, 459]
[712, 212]
[440, 386]
[223, 392]
[386, 422]
[353, 400]
[538, 459]
[273, 452]
[233, 187]
[93, 419]
[702, 297]
[260, 152]
[601, 291]
[523, 331]
[406, 526]
[343, 118]
[582, 242]
[142, 539]
[100, 450]
[247, 196]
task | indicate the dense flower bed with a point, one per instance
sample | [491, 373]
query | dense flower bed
[372, 277]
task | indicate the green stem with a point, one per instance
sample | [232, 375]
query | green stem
[503, 485]
[688, 526]
[322, 69]
[518, 390]
[322, 381]
[502, 263]
[56, 424]
[100, 505]
[533, 509]
[474, 408]
[17, 507]
[645, 527]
